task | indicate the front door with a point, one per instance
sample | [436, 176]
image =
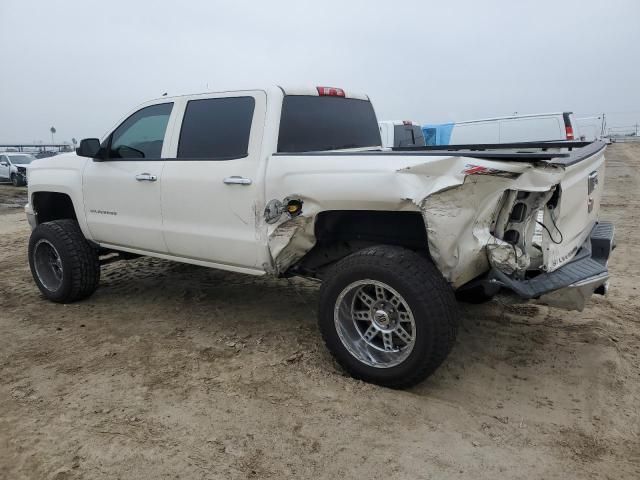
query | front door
[122, 192]
[210, 190]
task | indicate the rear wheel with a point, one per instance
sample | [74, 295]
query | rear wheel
[63, 264]
[388, 316]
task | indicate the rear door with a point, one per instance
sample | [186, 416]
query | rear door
[212, 184]
[122, 193]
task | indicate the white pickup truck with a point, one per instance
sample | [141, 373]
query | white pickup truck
[295, 182]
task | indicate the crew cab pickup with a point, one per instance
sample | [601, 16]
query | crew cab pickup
[288, 182]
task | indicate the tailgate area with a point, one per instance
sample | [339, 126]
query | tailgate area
[570, 285]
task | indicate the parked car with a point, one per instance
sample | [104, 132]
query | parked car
[537, 127]
[401, 133]
[286, 182]
[13, 167]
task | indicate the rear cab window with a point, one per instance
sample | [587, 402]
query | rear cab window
[319, 123]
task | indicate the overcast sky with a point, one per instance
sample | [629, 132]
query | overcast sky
[80, 65]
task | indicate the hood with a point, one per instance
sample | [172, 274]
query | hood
[64, 160]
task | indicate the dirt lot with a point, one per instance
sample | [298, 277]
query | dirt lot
[173, 371]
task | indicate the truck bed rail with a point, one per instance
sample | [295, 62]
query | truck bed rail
[576, 152]
[499, 146]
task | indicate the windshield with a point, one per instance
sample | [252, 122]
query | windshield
[310, 123]
[21, 159]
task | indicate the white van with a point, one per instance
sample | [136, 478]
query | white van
[591, 128]
[401, 133]
[539, 127]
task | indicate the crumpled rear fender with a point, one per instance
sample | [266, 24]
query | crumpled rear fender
[458, 207]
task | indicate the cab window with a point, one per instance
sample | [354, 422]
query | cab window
[216, 128]
[142, 134]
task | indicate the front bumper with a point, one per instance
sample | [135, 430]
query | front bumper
[572, 284]
[31, 216]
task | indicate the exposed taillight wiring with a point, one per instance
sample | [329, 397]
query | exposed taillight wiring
[553, 220]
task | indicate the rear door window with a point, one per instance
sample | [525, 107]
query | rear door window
[216, 128]
[320, 123]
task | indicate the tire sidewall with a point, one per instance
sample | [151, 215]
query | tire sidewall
[44, 232]
[14, 180]
[383, 272]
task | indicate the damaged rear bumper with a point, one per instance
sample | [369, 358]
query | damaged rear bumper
[572, 284]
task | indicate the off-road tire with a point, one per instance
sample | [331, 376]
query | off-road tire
[80, 263]
[429, 296]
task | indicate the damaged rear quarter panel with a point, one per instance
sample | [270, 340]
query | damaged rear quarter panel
[458, 209]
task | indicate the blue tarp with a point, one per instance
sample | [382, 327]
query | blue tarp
[438, 133]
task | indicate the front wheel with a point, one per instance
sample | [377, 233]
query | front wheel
[388, 316]
[18, 180]
[63, 264]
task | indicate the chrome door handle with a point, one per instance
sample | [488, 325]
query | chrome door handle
[146, 177]
[236, 180]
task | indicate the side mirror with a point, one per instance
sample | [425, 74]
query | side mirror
[4, 164]
[90, 147]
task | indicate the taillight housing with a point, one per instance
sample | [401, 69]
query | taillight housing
[330, 92]
[568, 128]
[569, 131]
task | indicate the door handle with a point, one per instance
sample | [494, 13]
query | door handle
[146, 177]
[236, 180]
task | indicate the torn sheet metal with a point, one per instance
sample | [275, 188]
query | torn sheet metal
[507, 258]
[290, 241]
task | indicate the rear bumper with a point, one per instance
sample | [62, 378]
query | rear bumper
[572, 284]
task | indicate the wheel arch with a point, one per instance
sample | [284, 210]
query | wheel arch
[49, 206]
[339, 233]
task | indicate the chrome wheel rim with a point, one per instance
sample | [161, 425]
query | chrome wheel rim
[375, 324]
[48, 265]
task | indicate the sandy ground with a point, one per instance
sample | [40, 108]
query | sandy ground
[173, 371]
